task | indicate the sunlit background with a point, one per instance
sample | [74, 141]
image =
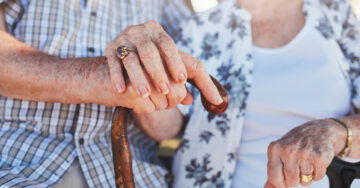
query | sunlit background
[356, 6]
[202, 5]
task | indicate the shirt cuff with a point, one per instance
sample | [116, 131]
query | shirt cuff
[184, 109]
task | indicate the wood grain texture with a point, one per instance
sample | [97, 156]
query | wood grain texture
[120, 146]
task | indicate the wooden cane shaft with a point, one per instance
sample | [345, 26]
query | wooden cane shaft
[120, 146]
[121, 149]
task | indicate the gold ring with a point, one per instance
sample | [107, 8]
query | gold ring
[306, 178]
[123, 52]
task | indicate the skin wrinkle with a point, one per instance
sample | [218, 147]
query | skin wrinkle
[306, 136]
[304, 146]
[54, 79]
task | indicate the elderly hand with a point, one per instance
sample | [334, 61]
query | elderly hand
[154, 50]
[156, 55]
[305, 150]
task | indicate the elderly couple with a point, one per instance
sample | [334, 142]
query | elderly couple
[291, 68]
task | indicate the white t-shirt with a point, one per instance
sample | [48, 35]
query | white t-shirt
[293, 84]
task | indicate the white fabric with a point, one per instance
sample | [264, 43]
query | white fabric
[308, 92]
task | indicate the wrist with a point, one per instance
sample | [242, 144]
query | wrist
[342, 141]
[97, 88]
[93, 81]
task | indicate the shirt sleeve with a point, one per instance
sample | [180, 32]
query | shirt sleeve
[13, 10]
[349, 40]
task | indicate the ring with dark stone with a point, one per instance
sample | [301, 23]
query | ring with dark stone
[123, 52]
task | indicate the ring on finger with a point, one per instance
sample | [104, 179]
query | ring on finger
[306, 178]
[123, 52]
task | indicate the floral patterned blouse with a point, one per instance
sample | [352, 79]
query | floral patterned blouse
[221, 38]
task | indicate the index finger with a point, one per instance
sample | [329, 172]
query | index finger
[275, 167]
[197, 72]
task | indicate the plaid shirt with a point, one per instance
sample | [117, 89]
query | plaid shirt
[40, 140]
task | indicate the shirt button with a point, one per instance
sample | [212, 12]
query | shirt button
[93, 13]
[91, 49]
[81, 141]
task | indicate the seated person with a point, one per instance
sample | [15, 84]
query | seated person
[57, 97]
[288, 67]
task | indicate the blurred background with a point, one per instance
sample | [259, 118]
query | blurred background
[202, 5]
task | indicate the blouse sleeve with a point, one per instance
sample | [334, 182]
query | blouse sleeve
[349, 41]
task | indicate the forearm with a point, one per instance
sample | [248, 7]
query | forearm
[29, 74]
[160, 125]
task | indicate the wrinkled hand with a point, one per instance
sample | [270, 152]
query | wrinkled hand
[155, 50]
[307, 149]
[156, 65]
[177, 91]
[157, 101]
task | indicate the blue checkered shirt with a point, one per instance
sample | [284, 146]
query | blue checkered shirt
[39, 141]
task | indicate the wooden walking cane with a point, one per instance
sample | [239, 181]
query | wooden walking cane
[120, 146]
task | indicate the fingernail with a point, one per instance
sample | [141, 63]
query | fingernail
[164, 89]
[119, 88]
[143, 91]
[182, 77]
[218, 99]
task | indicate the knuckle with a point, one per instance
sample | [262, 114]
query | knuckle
[275, 181]
[109, 49]
[128, 64]
[132, 70]
[122, 37]
[290, 171]
[324, 159]
[290, 182]
[273, 148]
[197, 66]
[152, 24]
[166, 43]
[146, 49]
[130, 29]
[133, 33]
[290, 151]
[158, 77]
